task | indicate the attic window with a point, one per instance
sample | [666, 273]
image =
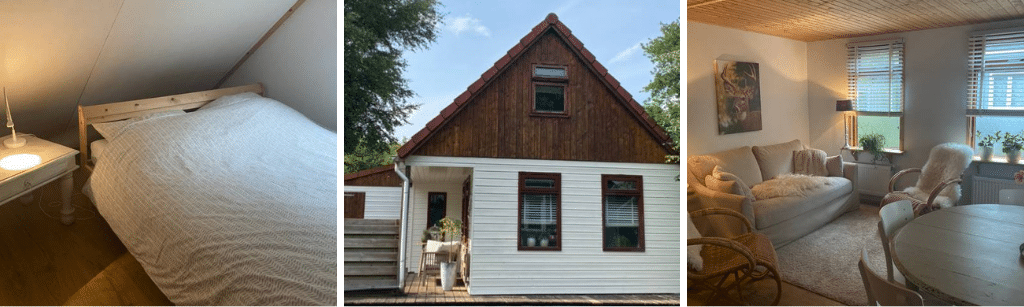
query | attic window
[549, 98]
[549, 72]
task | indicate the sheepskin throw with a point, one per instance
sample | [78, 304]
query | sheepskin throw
[946, 161]
[810, 162]
[789, 185]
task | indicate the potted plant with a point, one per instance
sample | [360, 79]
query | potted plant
[873, 143]
[985, 143]
[451, 229]
[1012, 143]
[431, 233]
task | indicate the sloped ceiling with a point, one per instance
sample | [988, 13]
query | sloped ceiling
[58, 54]
[814, 20]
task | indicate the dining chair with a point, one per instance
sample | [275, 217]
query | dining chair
[894, 216]
[1011, 197]
[883, 292]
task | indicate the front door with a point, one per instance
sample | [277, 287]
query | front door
[465, 207]
[437, 207]
[355, 205]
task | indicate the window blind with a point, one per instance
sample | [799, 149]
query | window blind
[621, 211]
[995, 80]
[539, 209]
[875, 77]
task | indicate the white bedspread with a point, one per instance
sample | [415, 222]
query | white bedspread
[228, 205]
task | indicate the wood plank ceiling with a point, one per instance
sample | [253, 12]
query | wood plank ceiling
[814, 20]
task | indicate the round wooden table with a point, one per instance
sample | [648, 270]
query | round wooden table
[966, 255]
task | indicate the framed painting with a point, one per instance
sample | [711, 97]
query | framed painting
[738, 95]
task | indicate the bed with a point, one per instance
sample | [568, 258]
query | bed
[233, 203]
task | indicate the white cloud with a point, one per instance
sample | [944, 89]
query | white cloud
[625, 54]
[468, 24]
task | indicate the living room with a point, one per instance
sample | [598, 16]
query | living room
[803, 51]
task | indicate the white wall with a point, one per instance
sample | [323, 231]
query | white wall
[298, 63]
[381, 203]
[581, 267]
[935, 89]
[783, 80]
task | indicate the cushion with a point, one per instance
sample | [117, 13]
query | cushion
[775, 159]
[810, 162]
[693, 259]
[724, 186]
[740, 188]
[432, 246]
[112, 129]
[768, 212]
[834, 165]
[739, 161]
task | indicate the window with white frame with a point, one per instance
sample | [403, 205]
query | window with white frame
[995, 84]
[875, 87]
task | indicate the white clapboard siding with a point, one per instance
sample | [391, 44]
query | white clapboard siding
[581, 267]
[381, 203]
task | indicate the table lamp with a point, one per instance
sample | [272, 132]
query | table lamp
[846, 106]
[14, 141]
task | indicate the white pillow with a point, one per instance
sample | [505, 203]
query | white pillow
[693, 259]
[741, 188]
[112, 129]
[224, 101]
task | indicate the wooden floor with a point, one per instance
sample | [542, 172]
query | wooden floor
[762, 293]
[43, 262]
[417, 293]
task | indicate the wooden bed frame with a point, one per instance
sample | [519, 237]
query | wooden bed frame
[109, 112]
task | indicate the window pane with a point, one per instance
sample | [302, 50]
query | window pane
[548, 72]
[628, 185]
[539, 183]
[887, 126]
[628, 236]
[550, 99]
[990, 124]
[622, 221]
[539, 227]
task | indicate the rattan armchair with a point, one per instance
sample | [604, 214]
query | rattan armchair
[730, 263]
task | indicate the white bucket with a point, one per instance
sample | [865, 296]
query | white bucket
[447, 275]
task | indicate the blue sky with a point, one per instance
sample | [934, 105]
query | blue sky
[475, 34]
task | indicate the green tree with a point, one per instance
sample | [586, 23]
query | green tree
[376, 34]
[663, 106]
[365, 158]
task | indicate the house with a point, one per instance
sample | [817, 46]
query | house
[803, 49]
[557, 173]
[72, 69]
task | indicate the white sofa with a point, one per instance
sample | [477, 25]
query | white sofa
[783, 219]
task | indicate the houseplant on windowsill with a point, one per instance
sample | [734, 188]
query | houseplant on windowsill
[873, 143]
[1012, 143]
[985, 144]
[451, 229]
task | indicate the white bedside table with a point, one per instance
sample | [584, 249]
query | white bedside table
[46, 162]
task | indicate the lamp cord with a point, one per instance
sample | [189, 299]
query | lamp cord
[57, 204]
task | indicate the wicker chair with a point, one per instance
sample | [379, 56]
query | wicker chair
[746, 258]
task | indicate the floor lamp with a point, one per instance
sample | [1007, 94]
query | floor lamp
[849, 128]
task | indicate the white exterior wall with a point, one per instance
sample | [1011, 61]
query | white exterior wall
[418, 219]
[381, 203]
[497, 267]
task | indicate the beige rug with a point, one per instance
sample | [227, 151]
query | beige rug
[825, 261]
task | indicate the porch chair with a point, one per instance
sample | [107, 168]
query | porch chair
[883, 292]
[746, 258]
[894, 216]
[938, 183]
[433, 253]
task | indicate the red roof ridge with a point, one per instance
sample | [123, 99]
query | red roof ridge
[549, 22]
[367, 172]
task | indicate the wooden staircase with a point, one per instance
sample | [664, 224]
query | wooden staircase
[371, 254]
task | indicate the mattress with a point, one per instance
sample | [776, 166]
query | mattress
[233, 204]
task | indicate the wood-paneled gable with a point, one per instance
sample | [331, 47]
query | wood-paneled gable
[383, 176]
[496, 122]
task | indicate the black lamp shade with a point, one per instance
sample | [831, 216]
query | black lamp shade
[844, 105]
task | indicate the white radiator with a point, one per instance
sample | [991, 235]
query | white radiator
[873, 179]
[985, 190]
